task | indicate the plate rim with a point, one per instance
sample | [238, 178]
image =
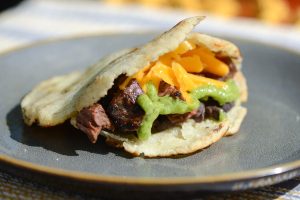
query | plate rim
[273, 170]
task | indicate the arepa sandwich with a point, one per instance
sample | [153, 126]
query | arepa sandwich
[177, 94]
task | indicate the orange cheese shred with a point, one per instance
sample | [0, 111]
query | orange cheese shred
[165, 73]
[210, 62]
[185, 84]
[184, 47]
[201, 80]
[176, 68]
[191, 63]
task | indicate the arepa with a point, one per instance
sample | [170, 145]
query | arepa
[173, 58]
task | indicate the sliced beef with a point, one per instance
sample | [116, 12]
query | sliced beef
[211, 102]
[197, 115]
[161, 123]
[228, 106]
[212, 112]
[213, 108]
[92, 120]
[112, 91]
[166, 89]
[209, 109]
[179, 118]
[123, 110]
[132, 91]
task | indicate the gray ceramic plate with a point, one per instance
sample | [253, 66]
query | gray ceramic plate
[265, 151]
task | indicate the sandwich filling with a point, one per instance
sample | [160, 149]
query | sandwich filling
[190, 82]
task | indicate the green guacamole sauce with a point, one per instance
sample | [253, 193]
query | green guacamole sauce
[154, 105]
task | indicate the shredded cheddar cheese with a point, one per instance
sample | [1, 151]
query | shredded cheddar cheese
[212, 64]
[191, 63]
[176, 68]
